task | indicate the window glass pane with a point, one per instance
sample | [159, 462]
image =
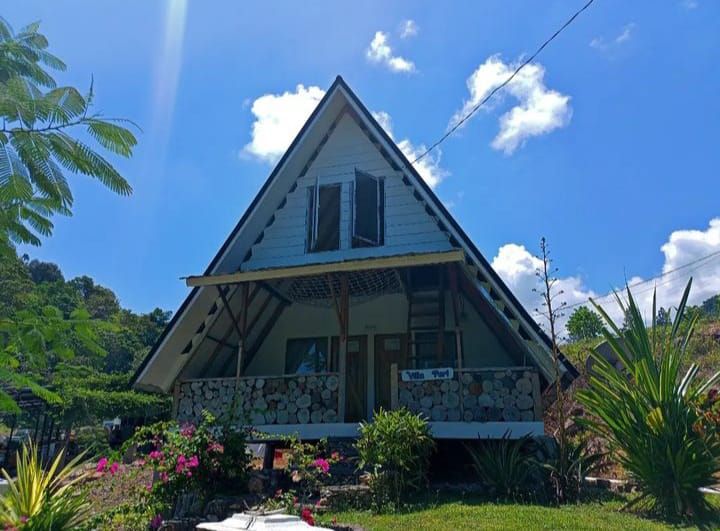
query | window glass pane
[328, 219]
[366, 209]
[306, 356]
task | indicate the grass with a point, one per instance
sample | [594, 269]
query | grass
[457, 512]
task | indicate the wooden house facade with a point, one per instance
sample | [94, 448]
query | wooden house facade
[346, 287]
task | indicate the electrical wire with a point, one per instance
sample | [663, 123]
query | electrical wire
[465, 118]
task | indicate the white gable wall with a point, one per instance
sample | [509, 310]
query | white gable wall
[408, 227]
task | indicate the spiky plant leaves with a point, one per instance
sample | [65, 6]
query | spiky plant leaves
[648, 410]
[44, 498]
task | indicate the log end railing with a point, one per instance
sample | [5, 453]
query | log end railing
[288, 399]
[509, 394]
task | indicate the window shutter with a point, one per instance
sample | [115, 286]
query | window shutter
[366, 204]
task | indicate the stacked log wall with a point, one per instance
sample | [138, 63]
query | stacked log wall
[261, 401]
[473, 396]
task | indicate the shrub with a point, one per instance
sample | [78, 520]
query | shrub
[567, 468]
[395, 450]
[42, 499]
[191, 458]
[648, 410]
[309, 466]
[504, 465]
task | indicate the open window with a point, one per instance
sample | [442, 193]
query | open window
[324, 217]
[368, 210]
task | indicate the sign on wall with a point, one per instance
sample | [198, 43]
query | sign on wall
[426, 375]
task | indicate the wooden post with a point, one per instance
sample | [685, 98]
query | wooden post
[537, 397]
[342, 357]
[394, 399]
[456, 315]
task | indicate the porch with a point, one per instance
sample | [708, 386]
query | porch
[459, 404]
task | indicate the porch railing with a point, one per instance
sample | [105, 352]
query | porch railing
[287, 399]
[499, 394]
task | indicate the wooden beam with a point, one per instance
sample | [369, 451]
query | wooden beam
[456, 314]
[259, 313]
[229, 311]
[388, 262]
[343, 314]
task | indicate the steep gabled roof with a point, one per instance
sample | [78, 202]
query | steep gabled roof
[337, 97]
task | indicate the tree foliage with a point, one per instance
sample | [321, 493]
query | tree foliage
[583, 324]
[39, 144]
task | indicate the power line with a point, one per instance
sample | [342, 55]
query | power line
[503, 84]
[704, 259]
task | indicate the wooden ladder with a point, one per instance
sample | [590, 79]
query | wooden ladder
[426, 317]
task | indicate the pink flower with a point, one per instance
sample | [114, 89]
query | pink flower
[114, 467]
[194, 462]
[155, 454]
[189, 473]
[101, 464]
[181, 460]
[156, 522]
[24, 519]
[178, 469]
[322, 464]
[148, 487]
[164, 477]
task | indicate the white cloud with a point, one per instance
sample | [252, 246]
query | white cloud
[408, 28]
[380, 52]
[539, 110]
[278, 119]
[517, 266]
[600, 43]
[429, 167]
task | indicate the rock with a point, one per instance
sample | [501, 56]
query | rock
[330, 415]
[451, 400]
[282, 417]
[487, 386]
[316, 416]
[468, 416]
[426, 401]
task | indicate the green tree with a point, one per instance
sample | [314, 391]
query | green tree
[39, 144]
[584, 324]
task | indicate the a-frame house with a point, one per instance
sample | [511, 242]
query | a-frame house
[347, 286]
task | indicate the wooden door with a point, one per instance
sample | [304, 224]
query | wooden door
[356, 379]
[356, 367]
[389, 349]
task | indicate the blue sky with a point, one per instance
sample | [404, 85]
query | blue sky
[616, 155]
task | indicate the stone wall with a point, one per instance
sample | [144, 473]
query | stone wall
[473, 396]
[276, 400]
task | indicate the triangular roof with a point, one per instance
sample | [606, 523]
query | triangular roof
[338, 98]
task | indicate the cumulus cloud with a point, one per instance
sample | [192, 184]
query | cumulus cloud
[408, 28]
[538, 112]
[278, 119]
[600, 43]
[429, 167]
[517, 266]
[380, 52]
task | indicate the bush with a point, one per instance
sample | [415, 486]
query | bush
[192, 458]
[506, 466]
[649, 412]
[567, 467]
[43, 499]
[395, 450]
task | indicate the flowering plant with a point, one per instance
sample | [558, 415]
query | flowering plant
[189, 457]
[309, 466]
